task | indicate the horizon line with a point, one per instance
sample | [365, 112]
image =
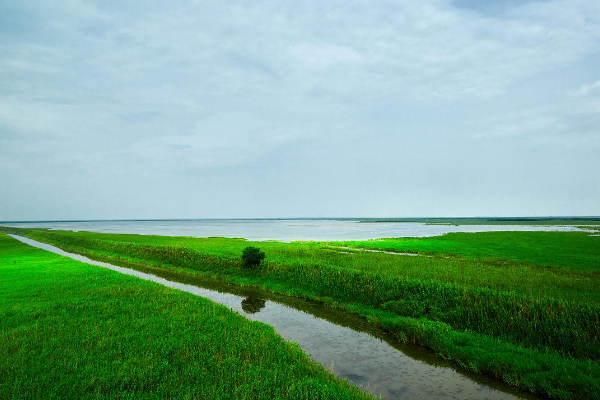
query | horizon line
[391, 219]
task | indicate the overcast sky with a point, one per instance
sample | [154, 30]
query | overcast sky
[198, 109]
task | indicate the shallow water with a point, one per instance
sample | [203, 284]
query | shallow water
[343, 343]
[284, 230]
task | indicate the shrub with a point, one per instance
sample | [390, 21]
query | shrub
[252, 257]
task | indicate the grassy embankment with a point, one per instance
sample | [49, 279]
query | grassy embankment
[530, 318]
[71, 330]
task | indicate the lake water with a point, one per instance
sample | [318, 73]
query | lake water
[283, 230]
[345, 344]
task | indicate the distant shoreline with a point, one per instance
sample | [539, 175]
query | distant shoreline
[526, 220]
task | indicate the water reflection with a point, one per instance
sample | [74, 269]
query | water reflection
[253, 304]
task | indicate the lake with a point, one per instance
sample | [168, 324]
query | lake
[280, 229]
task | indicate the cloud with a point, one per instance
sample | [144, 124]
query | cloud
[320, 57]
[584, 90]
[92, 89]
[218, 141]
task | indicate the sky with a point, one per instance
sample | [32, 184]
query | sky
[224, 109]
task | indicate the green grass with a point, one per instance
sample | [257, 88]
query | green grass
[528, 280]
[72, 330]
[532, 325]
[574, 250]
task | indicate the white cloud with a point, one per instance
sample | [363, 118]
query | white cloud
[524, 127]
[219, 141]
[320, 57]
[584, 90]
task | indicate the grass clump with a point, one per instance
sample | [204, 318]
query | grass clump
[252, 257]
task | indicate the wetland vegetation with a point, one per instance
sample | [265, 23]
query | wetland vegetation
[522, 307]
[72, 330]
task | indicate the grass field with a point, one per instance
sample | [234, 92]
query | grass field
[71, 330]
[523, 307]
[573, 250]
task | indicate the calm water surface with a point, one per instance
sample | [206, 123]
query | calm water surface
[284, 230]
[345, 344]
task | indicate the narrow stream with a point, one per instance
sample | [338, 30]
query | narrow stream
[345, 344]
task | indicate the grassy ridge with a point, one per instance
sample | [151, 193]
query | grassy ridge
[527, 341]
[71, 330]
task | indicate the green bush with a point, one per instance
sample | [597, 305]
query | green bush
[252, 257]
